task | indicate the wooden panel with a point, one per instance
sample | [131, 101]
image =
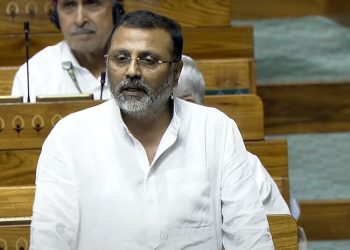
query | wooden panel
[228, 73]
[18, 167]
[19, 151]
[29, 117]
[12, 47]
[306, 108]
[25, 126]
[233, 43]
[218, 74]
[186, 12]
[283, 229]
[7, 75]
[325, 219]
[15, 237]
[16, 201]
[283, 186]
[256, 9]
[34, 11]
[218, 42]
[272, 154]
[250, 110]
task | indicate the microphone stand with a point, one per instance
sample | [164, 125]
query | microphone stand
[102, 81]
[26, 33]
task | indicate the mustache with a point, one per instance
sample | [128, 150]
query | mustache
[82, 30]
[135, 83]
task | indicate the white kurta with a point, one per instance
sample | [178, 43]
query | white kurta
[270, 195]
[47, 77]
[96, 189]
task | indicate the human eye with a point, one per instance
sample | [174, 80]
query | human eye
[68, 5]
[121, 59]
[92, 3]
[148, 61]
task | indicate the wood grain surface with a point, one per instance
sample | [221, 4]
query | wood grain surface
[18, 166]
[250, 120]
[199, 43]
[306, 108]
[260, 9]
[325, 219]
[187, 12]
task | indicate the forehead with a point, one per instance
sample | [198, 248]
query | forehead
[139, 40]
[82, 1]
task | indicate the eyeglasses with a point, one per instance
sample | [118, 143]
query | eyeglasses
[150, 63]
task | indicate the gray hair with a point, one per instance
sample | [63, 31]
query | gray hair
[191, 82]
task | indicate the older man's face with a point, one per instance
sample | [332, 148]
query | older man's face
[85, 24]
[138, 82]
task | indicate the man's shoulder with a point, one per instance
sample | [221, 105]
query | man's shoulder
[189, 109]
[50, 52]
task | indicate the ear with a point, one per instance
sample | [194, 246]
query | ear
[177, 72]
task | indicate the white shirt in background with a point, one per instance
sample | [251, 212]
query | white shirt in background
[47, 76]
[269, 193]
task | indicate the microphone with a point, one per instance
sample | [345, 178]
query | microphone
[102, 81]
[69, 67]
[26, 33]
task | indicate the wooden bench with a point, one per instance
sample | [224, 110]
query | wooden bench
[306, 107]
[187, 13]
[27, 125]
[16, 210]
[256, 9]
[18, 166]
[283, 228]
[248, 106]
[219, 74]
[199, 43]
[325, 219]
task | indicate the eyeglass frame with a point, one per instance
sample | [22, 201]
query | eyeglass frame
[154, 66]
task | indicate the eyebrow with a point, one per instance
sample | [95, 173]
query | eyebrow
[141, 54]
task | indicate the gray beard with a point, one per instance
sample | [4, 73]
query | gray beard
[144, 106]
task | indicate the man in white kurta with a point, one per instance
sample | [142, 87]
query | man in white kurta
[47, 75]
[96, 189]
[73, 66]
[146, 170]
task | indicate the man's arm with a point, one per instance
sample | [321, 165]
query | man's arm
[56, 205]
[271, 196]
[245, 225]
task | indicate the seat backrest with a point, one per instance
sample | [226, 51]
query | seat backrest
[250, 109]
[187, 13]
[233, 43]
[255, 9]
[24, 126]
[15, 233]
[219, 74]
[18, 166]
[16, 201]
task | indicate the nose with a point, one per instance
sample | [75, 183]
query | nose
[133, 69]
[81, 17]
